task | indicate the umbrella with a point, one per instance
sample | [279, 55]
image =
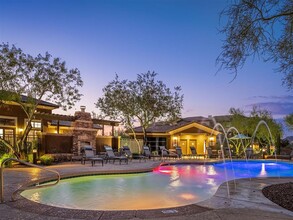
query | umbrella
[239, 136]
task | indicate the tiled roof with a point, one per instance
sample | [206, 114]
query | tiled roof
[68, 124]
[222, 118]
[163, 127]
[24, 99]
[50, 116]
[61, 123]
[44, 103]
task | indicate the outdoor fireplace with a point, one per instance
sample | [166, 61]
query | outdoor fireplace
[83, 131]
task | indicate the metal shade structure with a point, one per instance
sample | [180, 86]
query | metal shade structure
[239, 136]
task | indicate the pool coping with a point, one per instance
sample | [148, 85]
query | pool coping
[26, 205]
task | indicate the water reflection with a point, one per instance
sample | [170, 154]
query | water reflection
[263, 170]
[211, 170]
[187, 196]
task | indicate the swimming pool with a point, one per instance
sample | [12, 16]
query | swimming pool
[166, 186]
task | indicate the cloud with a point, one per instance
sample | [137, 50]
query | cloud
[279, 106]
[284, 98]
[278, 109]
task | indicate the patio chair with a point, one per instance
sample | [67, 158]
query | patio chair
[126, 150]
[88, 154]
[209, 152]
[111, 156]
[194, 153]
[167, 154]
[147, 153]
[249, 153]
[282, 156]
[179, 151]
[227, 152]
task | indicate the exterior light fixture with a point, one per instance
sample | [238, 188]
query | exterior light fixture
[35, 151]
[175, 141]
[211, 142]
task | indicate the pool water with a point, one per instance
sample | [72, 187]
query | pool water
[166, 186]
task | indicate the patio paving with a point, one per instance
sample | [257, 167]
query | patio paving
[245, 200]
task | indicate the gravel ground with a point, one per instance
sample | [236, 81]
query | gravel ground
[281, 194]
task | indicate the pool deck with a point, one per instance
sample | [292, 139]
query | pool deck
[244, 201]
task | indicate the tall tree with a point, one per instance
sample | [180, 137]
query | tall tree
[144, 100]
[247, 125]
[289, 121]
[262, 28]
[40, 77]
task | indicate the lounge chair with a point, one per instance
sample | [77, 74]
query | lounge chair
[179, 152]
[210, 152]
[88, 154]
[194, 152]
[111, 156]
[281, 156]
[249, 153]
[148, 154]
[167, 154]
[229, 153]
[126, 150]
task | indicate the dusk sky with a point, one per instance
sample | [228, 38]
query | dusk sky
[178, 39]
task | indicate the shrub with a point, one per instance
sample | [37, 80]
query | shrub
[5, 156]
[46, 159]
[30, 158]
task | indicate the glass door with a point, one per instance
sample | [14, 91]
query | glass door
[183, 145]
[8, 135]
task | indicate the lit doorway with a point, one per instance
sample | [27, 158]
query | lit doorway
[192, 143]
[183, 145]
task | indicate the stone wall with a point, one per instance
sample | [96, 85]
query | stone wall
[83, 131]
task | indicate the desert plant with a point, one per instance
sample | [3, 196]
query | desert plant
[5, 156]
[46, 159]
[30, 158]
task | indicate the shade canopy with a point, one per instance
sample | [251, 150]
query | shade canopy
[239, 136]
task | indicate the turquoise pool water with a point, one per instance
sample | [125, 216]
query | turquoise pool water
[166, 186]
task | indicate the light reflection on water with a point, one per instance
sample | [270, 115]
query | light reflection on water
[166, 186]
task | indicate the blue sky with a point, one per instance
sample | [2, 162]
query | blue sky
[178, 39]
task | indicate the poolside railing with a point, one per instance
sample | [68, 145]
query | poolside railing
[29, 187]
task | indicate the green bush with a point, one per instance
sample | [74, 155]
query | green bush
[46, 159]
[5, 156]
[30, 158]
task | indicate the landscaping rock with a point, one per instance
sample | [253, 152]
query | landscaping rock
[281, 194]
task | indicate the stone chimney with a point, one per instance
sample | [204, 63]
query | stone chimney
[82, 108]
[83, 131]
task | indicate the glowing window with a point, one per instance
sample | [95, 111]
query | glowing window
[7, 121]
[36, 124]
